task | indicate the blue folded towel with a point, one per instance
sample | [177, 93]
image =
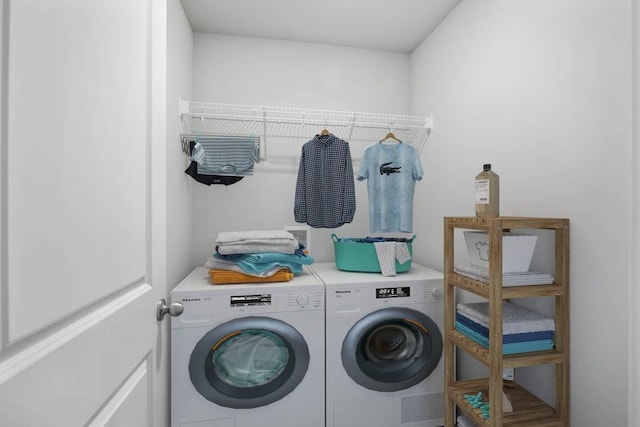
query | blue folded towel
[257, 263]
[511, 348]
[506, 338]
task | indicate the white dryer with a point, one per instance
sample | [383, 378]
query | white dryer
[247, 355]
[384, 348]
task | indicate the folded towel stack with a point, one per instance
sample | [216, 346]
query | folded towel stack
[523, 330]
[256, 257]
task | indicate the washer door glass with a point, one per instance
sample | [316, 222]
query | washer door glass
[249, 362]
[250, 358]
[392, 349]
[394, 341]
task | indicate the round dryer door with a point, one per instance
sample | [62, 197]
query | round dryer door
[249, 362]
[392, 349]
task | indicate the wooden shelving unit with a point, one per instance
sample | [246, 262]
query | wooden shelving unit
[528, 410]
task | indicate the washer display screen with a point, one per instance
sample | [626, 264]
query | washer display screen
[399, 292]
[250, 300]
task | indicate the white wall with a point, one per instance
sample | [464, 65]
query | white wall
[634, 300]
[179, 188]
[542, 91]
[242, 70]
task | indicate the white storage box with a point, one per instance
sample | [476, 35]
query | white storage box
[517, 250]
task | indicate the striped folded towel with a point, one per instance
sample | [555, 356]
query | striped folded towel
[515, 319]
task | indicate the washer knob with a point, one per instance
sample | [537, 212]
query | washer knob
[302, 300]
[435, 292]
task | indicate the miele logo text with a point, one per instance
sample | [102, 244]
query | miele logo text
[343, 292]
[190, 299]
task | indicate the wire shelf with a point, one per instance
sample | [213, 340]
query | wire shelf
[283, 128]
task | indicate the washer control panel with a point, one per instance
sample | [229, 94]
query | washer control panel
[276, 301]
[250, 300]
[394, 292]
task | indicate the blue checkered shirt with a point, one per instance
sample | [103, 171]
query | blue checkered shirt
[325, 192]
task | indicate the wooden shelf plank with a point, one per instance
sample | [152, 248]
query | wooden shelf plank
[528, 409]
[507, 222]
[519, 360]
[508, 292]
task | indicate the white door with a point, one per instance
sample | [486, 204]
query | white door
[82, 213]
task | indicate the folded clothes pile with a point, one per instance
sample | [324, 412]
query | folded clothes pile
[256, 257]
[523, 330]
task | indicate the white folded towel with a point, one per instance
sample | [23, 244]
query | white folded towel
[253, 236]
[515, 319]
[239, 242]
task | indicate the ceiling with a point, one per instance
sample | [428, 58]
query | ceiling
[389, 25]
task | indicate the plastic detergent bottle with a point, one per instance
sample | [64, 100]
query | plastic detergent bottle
[487, 193]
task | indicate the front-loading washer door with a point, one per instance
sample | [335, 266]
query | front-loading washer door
[392, 349]
[249, 362]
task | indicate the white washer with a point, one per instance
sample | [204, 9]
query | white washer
[247, 355]
[384, 348]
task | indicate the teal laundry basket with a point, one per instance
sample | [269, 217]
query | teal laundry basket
[352, 254]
